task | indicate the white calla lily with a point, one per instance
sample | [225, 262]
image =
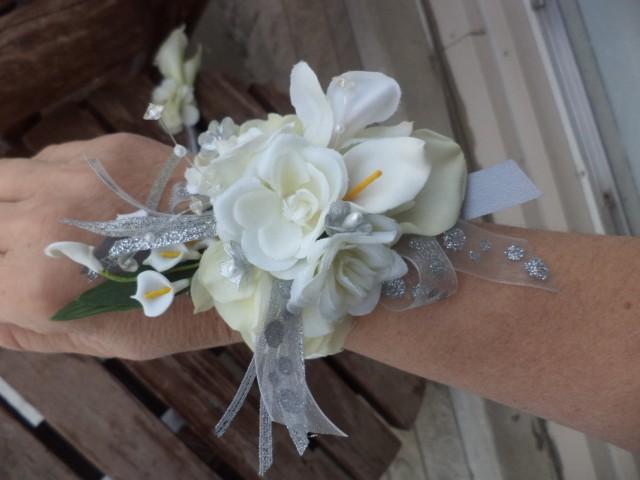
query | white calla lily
[156, 293]
[353, 101]
[437, 207]
[404, 169]
[76, 251]
[163, 259]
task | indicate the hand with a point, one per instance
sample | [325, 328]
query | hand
[35, 195]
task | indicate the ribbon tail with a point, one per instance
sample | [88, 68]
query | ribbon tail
[238, 400]
[265, 441]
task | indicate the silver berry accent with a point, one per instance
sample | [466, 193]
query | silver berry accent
[515, 253]
[454, 239]
[536, 268]
[473, 255]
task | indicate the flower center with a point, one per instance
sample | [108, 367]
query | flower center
[157, 293]
[170, 254]
[300, 206]
[358, 189]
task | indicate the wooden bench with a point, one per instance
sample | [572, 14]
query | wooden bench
[137, 420]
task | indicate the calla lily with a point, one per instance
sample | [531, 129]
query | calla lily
[156, 293]
[437, 207]
[353, 101]
[403, 166]
[163, 259]
[76, 251]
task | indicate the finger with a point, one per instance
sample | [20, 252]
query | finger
[15, 177]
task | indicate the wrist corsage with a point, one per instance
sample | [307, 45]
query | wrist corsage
[292, 225]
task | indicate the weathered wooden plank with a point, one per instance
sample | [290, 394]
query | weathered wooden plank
[99, 418]
[65, 124]
[50, 50]
[46, 53]
[24, 457]
[121, 104]
[395, 394]
[271, 99]
[220, 97]
[440, 440]
[311, 37]
[199, 387]
[342, 36]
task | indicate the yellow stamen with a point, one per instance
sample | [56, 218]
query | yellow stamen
[157, 293]
[357, 190]
[169, 254]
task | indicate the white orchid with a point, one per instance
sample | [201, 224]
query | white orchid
[343, 274]
[165, 258]
[76, 251]
[278, 212]
[156, 293]
[175, 92]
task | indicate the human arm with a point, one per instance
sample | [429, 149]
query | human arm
[571, 356]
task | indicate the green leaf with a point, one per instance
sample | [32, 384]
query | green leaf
[110, 296]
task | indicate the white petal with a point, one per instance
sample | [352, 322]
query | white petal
[359, 99]
[171, 54]
[368, 304]
[331, 164]
[437, 206]
[227, 226]
[192, 66]
[149, 281]
[76, 251]
[311, 105]
[160, 260]
[405, 170]
[313, 323]
[402, 129]
[280, 240]
[330, 344]
[254, 253]
[256, 208]
[200, 296]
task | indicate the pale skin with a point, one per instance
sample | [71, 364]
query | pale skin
[571, 356]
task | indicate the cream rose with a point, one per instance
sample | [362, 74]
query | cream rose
[278, 211]
[343, 274]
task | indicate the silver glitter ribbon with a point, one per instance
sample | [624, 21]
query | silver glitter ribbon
[484, 254]
[160, 183]
[111, 184]
[285, 397]
[431, 276]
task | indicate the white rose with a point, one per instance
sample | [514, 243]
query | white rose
[279, 211]
[243, 307]
[343, 275]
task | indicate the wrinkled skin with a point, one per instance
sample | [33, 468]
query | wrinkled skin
[35, 194]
